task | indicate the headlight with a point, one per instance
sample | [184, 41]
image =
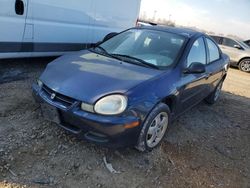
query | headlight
[111, 105]
[40, 83]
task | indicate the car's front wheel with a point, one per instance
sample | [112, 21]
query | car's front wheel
[154, 128]
[244, 65]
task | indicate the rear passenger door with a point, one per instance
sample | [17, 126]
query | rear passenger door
[214, 65]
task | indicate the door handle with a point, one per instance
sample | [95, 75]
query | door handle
[19, 7]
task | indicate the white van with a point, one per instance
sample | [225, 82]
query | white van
[30, 28]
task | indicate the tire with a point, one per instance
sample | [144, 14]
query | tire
[213, 97]
[244, 65]
[154, 128]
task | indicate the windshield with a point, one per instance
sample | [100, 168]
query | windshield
[243, 44]
[155, 48]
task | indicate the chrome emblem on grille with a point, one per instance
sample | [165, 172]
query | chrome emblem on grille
[53, 95]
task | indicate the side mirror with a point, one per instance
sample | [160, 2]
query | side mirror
[109, 36]
[238, 46]
[195, 68]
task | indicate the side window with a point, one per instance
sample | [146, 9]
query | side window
[229, 42]
[197, 53]
[247, 42]
[214, 53]
[216, 39]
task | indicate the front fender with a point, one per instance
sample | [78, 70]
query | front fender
[145, 97]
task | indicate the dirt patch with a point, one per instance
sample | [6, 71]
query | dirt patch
[206, 147]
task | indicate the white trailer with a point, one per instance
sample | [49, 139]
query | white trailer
[32, 28]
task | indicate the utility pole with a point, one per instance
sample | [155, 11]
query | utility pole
[169, 17]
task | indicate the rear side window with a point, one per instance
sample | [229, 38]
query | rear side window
[214, 53]
[197, 53]
[216, 39]
[229, 42]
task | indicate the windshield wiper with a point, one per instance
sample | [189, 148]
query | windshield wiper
[104, 52]
[102, 49]
[136, 60]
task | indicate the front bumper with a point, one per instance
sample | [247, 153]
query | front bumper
[109, 131]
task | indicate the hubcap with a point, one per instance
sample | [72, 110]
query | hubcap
[245, 65]
[157, 129]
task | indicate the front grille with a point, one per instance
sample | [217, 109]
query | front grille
[66, 101]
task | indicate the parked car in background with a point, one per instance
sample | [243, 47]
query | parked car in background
[237, 50]
[247, 42]
[128, 89]
[51, 28]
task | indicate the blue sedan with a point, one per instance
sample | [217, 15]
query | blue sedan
[126, 90]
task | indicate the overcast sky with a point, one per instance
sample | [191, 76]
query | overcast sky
[219, 16]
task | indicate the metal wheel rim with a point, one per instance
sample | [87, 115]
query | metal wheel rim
[157, 129]
[217, 92]
[245, 65]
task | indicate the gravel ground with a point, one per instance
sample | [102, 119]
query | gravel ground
[208, 146]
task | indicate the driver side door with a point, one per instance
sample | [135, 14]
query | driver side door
[194, 85]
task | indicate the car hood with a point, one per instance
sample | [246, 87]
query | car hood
[87, 76]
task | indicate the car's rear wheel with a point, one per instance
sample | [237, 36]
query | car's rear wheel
[213, 97]
[244, 65]
[154, 128]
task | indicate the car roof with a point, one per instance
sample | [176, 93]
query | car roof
[186, 32]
